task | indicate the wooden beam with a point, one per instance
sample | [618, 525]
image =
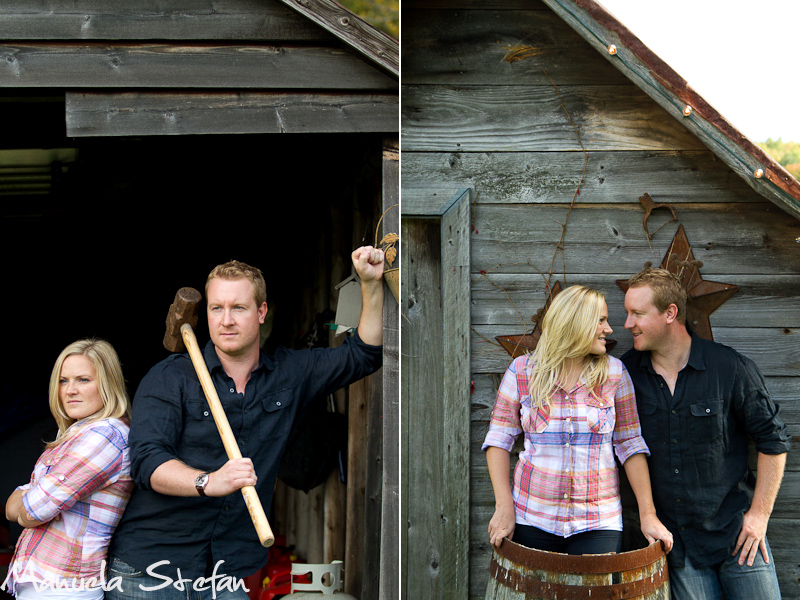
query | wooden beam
[352, 30]
[148, 20]
[145, 65]
[610, 239]
[390, 517]
[447, 384]
[552, 177]
[148, 113]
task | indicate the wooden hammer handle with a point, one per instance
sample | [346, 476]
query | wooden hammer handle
[251, 498]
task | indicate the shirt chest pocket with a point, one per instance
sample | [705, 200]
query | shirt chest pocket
[600, 414]
[277, 418]
[534, 420]
[707, 422]
[199, 426]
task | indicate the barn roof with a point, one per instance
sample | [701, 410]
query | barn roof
[365, 39]
[662, 83]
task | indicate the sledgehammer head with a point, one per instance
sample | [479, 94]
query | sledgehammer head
[184, 309]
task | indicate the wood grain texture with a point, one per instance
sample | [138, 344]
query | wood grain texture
[498, 47]
[193, 113]
[730, 239]
[371, 43]
[144, 19]
[422, 380]
[145, 65]
[673, 177]
[455, 226]
[527, 118]
[512, 299]
[390, 494]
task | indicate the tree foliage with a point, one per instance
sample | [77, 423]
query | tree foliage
[381, 14]
[786, 153]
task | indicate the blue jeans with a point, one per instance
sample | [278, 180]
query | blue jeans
[736, 582]
[126, 583]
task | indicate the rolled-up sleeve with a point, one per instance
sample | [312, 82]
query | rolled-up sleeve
[91, 461]
[157, 418]
[628, 438]
[504, 425]
[760, 414]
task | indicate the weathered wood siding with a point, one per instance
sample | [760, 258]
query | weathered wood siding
[504, 97]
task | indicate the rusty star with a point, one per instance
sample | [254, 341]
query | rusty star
[704, 297]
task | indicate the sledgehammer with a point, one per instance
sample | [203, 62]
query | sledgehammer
[181, 319]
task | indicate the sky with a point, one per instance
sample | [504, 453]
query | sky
[742, 57]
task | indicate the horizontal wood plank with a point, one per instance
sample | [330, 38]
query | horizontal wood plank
[125, 114]
[147, 20]
[527, 47]
[775, 351]
[729, 239]
[528, 118]
[512, 299]
[552, 177]
[92, 65]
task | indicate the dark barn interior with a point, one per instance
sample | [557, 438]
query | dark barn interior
[100, 244]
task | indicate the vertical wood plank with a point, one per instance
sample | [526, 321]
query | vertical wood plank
[456, 396]
[421, 390]
[390, 580]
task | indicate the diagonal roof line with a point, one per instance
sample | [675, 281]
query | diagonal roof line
[373, 44]
[663, 84]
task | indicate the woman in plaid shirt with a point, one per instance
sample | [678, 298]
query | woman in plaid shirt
[576, 408]
[80, 484]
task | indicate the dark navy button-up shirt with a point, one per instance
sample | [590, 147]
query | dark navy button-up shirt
[171, 420]
[698, 439]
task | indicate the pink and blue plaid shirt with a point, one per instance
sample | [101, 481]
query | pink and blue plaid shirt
[80, 488]
[566, 479]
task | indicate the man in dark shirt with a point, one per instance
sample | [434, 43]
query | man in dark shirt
[186, 527]
[698, 403]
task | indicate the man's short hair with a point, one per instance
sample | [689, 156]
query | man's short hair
[235, 269]
[667, 289]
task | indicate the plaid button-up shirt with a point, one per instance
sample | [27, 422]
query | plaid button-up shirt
[566, 479]
[80, 488]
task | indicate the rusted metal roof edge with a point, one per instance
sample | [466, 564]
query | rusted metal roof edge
[354, 31]
[664, 85]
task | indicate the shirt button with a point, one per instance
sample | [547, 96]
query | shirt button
[677, 471]
[232, 390]
[61, 478]
[567, 444]
[277, 404]
[565, 496]
[708, 410]
[677, 499]
[205, 413]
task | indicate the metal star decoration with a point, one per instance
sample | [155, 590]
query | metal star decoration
[704, 297]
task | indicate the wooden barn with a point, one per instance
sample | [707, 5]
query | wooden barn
[543, 143]
[145, 142]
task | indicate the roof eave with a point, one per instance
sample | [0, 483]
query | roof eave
[667, 88]
[368, 41]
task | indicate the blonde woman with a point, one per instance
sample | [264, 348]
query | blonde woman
[575, 406]
[80, 484]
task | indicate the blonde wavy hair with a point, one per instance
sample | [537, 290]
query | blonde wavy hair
[110, 383]
[568, 332]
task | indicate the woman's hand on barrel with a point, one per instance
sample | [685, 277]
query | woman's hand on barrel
[501, 525]
[654, 530]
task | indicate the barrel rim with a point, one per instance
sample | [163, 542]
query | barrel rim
[577, 564]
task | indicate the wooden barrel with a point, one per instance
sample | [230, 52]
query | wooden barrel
[520, 573]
